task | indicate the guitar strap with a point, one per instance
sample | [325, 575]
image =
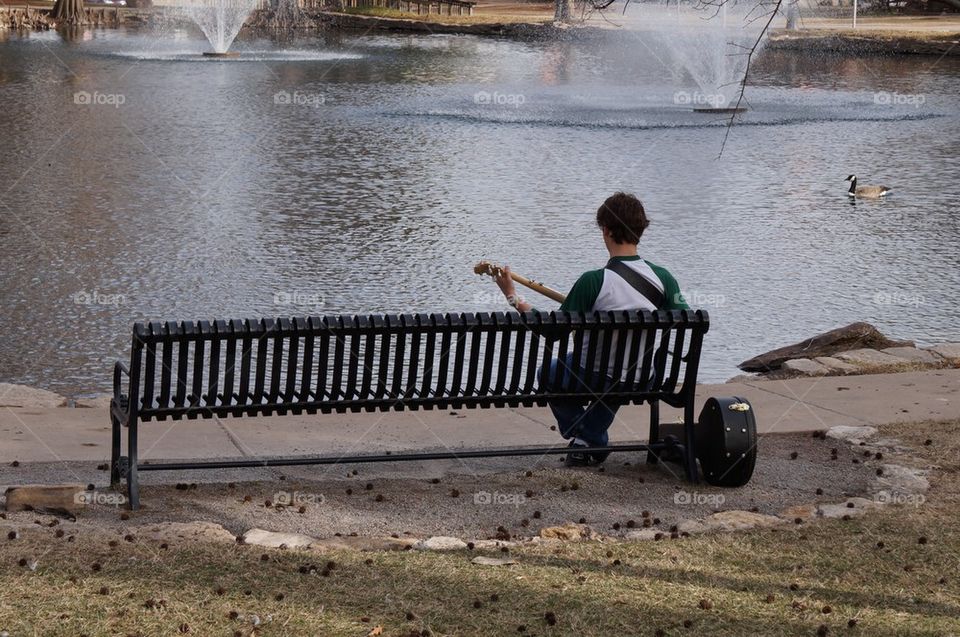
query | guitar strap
[638, 282]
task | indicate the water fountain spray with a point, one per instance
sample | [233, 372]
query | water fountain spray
[220, 21]
[709, 43]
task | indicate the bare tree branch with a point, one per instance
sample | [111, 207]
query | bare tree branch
[746, 73]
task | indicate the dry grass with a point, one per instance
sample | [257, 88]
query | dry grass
[782, 582]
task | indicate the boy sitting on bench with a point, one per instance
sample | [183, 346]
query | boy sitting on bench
[627, 282]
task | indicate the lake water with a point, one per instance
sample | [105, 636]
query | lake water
[368, 173]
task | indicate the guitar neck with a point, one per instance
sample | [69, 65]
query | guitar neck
[550, 293]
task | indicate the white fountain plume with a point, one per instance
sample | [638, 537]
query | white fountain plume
[710, 42]
[220, 20]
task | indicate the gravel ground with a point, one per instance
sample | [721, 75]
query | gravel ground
[468, 499]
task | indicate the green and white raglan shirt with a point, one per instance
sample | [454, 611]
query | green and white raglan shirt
[604, 290]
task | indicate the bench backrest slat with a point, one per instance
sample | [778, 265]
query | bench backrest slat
[503, 361]
[260, 373]
[150, 362]
[458, 357]
[660, 357]
[323, 360]
[276, 364]
[677, 358]
[645, 346]
[336, 380]
[213, 377]
[384, 365]
[353, 365]
[230, 365]
[183, 360]
[591, 333]
[578, 342]
[392, 362]
[446, 340]
[428, 361]
[246, 357]
[399, 348]
[616, 371]
[605, 348]
[518, 352]
[532, 353]
[166, 366]
[369, 349]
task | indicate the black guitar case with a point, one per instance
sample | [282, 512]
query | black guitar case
[727, 441]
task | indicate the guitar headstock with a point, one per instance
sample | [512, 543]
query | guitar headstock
[490, 269]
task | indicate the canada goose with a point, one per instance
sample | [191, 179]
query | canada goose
[866, 192]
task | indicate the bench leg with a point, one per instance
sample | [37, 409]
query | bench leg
[115, 472]
[133, 485]
[690, 450]
[654, 431]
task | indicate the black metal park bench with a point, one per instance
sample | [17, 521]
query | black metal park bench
[451, 361]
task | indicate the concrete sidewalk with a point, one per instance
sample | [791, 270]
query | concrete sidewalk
[801, 404]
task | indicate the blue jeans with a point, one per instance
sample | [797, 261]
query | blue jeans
[579, 417]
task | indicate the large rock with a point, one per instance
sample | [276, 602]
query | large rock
[359, 543]
[913, 355]
[198, 531]
[729, 521]
[69, 497]
[269, 539]
[100, 401]
[803, 512]
[30, 397]
[950, 351]
[898, 479]
[836, 365]
[805, 367]
[440, 543]
[850, 433]
[570, 532]
[490, 545]
[867, 357]
[853, 336]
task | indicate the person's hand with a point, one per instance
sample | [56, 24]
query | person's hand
[505, 283]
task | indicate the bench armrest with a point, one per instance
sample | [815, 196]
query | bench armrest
[119, 368]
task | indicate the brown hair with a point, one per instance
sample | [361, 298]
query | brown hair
[624, 218]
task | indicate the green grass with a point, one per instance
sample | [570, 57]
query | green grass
[770, 582]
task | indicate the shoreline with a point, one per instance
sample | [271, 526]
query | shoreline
[865, 42]
[902, 35]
